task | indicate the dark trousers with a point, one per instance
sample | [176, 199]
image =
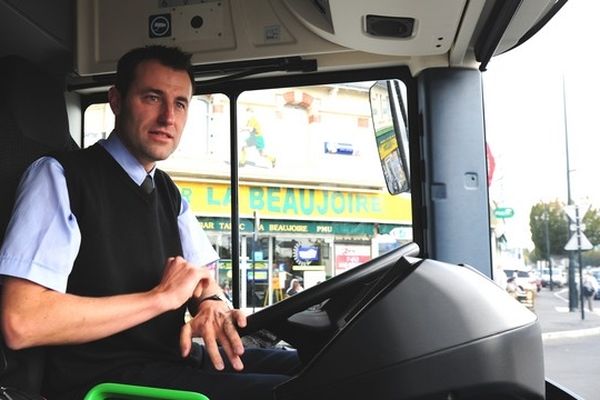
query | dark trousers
[263, 370]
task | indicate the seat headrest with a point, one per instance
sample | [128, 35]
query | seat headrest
[33, 122]
[36, 102]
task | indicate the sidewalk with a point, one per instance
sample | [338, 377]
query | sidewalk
[556, 321]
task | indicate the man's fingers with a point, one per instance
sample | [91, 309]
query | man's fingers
[217, 326]
[232, 355]
[232, 337]
[185, 340]
[213, 353]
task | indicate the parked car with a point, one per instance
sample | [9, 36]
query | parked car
[559, 278]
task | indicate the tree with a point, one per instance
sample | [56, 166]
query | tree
[591, 220]
[558, 228]
[591, 258]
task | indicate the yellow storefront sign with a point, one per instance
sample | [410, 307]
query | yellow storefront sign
[213, 199]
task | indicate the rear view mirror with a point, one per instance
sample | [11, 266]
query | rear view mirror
[391, 134]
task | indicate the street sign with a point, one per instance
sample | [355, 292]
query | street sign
[504, 212]
[573, 227]
[572, 243]
[571, 211]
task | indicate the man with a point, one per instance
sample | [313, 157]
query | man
[102, 274]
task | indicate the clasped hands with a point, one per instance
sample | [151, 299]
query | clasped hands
[214, 321]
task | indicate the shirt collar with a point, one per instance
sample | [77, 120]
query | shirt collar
[115, 147]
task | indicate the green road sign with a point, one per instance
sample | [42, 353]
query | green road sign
[504, 212]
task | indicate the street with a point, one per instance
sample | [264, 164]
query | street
[575, 364]
[571, 345]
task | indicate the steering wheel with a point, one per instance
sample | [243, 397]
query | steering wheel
[281, 317]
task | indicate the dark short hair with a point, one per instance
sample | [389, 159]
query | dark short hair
[172, 57]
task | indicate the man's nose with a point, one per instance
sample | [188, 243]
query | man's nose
[167, 114]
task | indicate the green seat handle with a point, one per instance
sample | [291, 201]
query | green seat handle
[130, 392]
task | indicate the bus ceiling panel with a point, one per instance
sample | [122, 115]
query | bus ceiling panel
[341, 33]
[352, 34]
[214, 31]
[391, 27]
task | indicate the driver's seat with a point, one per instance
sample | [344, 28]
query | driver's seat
[33, 122]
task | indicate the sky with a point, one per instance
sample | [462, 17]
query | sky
[525, 118]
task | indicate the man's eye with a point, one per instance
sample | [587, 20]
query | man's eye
[181, 105]
[152, 98]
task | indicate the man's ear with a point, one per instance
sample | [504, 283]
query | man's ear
[115, 100]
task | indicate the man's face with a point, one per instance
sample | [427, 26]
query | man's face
[150, 119]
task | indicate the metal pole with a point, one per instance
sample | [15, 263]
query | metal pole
[546, 218]
[578, 223]
[254, 246]
[235, 213]
[253, 288]
[572, 286]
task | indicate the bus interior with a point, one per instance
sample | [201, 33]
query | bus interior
[366, 181]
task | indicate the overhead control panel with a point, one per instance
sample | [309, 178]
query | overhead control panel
[212, 30]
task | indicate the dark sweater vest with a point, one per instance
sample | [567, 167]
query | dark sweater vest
[126, 237]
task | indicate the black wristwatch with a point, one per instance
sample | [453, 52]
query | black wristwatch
[213, 297]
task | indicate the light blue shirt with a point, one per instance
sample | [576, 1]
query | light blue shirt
[42, 238]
